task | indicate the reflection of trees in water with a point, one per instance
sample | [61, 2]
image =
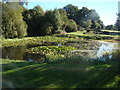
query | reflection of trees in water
[13, 52]
[18, 53]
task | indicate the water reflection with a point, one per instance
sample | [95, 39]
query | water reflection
[18, 53]
[106, 48]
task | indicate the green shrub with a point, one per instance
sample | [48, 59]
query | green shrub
[71, 26]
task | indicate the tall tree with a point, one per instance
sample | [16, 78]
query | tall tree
[71, 10]
[88, 18]
[38, 11]
[110, 27]
[93, 15]
[34, 19]
[57, 20]
[117, 24]
[12, 22]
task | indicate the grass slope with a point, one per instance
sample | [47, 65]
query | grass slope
[72, 72]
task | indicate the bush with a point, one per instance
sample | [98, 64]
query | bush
[71, 26]
[60, 32]
[46, 29]
[81, 28]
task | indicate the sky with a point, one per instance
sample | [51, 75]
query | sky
[107, 9]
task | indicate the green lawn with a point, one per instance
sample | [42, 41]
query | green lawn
[73, 72]
[95, 36]
[111, 31]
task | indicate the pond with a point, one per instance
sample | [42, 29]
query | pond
[18, 52]
[106, 48]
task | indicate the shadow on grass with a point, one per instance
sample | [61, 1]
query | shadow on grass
[73, 72]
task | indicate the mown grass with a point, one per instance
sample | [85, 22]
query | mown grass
[111, 31]
[96, 36]
[71, 72]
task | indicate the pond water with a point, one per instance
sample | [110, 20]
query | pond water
[18, 52]
[104, 48]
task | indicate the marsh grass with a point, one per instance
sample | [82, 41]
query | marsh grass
[32, 41]
[57, 38]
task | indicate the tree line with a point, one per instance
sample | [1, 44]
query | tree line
[18, 21]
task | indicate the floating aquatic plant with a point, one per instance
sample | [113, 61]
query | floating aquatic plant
[50, 49]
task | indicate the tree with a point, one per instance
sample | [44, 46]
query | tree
[71, 10]
[34, 19]
[82, 18]
[93, 15]
[95, 25]
[82, 15]
[12, 22]
[38, 11]
[102, 26]
[64, 18]
[86, 24]
[117, 24]
[88, 19]
[71, 26]
[49, 16]
[110, 27]
[47, 29]
[57, 20]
